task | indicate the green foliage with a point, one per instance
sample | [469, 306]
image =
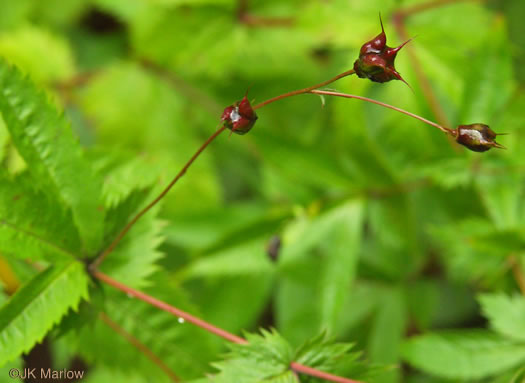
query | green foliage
[387, 332]
[505, 314]
[267, 358]
[4, 371]
[185, 349]
[332, 216]
[37, 130]
[37, 306]
[317, 265]
[463, 354]
[34, 225]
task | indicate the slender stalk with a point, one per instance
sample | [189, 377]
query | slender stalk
[305, 90]
[96, 263]
[209, 327]
[130, 224]
[423, 80]
[170, 309]
[345, 95]
[319, 374]
[140, 346]
[399, 17]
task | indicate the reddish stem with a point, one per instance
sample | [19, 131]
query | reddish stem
[320, 374]
[96, 263]
[170, 309]
[426, 87]
[209, 327]
[338, 94]
[305, 90]
[399, 23]
[130, 224]
[140, 346]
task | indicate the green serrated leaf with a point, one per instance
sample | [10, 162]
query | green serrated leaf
[33, 225]
[40, 304]
[463, 354]
[54, 157]
[126, 178]
[135, 257]
[326, 355]
[506, 314]
[264, 359]
[267, 357]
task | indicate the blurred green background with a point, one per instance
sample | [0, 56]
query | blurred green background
[386, 228]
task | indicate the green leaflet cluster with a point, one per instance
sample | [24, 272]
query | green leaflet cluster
[268, 356]
[386, 231]
[54, 158]
[31, 312]
[57, 212]
[476, 354]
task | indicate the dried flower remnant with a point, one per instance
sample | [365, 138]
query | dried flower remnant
[239, 117]
[477, 137]
[376, 59]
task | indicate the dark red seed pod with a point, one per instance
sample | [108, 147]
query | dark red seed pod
[372, 67]
[376, 59]
[477, 137]
[239, 117]
[389, 54]
[377, 44]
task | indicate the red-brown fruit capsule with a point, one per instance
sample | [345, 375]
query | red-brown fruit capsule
[477, 137]
[377, 44]
[376, 59]
[239, 117]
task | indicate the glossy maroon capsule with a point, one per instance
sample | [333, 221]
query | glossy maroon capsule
[477, 137]
[377, 44]
[376, 59]
[239, 117]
